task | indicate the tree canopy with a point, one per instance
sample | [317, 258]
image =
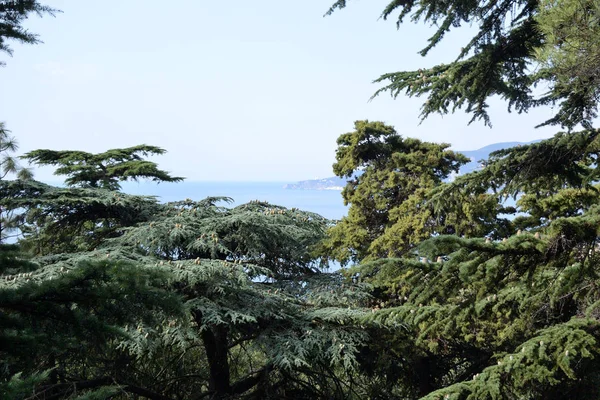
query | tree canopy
[508, 309]
[9, 166]
[388, 176]
[179, 300]
[103, 170]
[12, 15]
[478, 286]
[514, 50]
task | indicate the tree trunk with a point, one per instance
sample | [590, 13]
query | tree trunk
[424, 377]
[215, 345]
[1, 225]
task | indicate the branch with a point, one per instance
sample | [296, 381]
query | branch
[242, 340]
[251, 380]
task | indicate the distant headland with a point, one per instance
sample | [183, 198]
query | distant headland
[335, 183]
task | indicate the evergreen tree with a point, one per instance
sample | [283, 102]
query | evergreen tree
[571, 51]
[500, 317]
[8, 165]
[103, 170]
[12, 15]
[110, 295]
[260, 318]
[390, 178]
[62, 220]
[502, 57]
[246, 276]
[59, 314]
[509, 310]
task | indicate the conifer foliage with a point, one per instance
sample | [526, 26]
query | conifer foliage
[389, 178]
[9, 166]
[103, 170]
[12, 15]
[520, 44]
[481, 286]
[508, 309]
[178, 300]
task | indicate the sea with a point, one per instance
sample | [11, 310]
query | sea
[327, 203]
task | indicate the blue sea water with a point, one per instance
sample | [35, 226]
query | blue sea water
[327, 203]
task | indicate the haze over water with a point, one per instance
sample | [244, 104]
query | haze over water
[328, 203]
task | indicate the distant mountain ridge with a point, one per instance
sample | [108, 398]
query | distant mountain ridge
[335, 183]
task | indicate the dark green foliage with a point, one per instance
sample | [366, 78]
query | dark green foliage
[12, 15]
[571, 54]
[66, 312]
[103, 170]
[258, 233]
[501, 58]
[12, 260]
[254, 294]
[512, 317]
[483, 302]
[459, 292]
[260, 318]
[18, 387]
[464, 303]
[514, 314]
[57, 220]
[53, 303]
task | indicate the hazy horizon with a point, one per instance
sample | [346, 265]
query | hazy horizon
[233, 91]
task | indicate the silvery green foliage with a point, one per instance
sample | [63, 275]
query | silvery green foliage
[169, 283]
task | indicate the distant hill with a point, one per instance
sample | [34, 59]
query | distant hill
[483, 153]
[335, 183]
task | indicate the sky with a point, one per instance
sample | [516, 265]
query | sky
[233, 90]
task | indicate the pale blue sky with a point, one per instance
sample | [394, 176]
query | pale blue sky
[234, 90]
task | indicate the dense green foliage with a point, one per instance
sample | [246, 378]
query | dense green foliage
[508, 308]
[480, 286]
[189, 298]
[390, 178]
[489, 307]
[571, 50]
